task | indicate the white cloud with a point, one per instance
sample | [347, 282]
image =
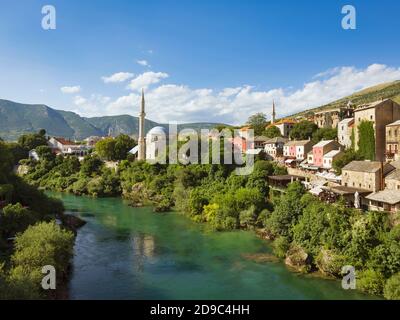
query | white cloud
[178, 102]
[118, 77]
[91, 106]
[171, 102]
[143, 63]
[71, 89]
[146, 79]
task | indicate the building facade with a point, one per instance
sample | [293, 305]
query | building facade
[285, 126]
[321, 149]
[330, 157]
[393, 141]
[345, 132]
[380, 113]
[274, 147]
[367, 175]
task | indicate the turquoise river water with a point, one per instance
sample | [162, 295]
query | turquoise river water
[133, 253]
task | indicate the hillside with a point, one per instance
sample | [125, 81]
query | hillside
[368, 95]
[17, 119]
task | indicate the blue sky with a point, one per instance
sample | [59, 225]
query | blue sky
[206, 60]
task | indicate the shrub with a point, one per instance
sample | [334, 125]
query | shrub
[392, 288]
[370, 281]
[281, 246]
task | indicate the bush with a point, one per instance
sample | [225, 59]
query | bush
[370, 281]
[392, 288]
[15, 218]
[281, 246]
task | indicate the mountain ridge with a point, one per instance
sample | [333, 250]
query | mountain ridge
[18, 118]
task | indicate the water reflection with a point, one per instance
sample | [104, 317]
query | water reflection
[143, 248]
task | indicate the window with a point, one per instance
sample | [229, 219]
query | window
[371, 117]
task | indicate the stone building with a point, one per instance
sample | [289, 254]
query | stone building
[331, 118]
[380, 113]
[345, 130]
[274, 147]
[366, 175]
[285, 126]
[393, 141]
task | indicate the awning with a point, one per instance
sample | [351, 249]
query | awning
[134, 150]
[289, 161]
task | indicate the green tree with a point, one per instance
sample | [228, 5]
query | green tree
[303, 130]
[257, 122]
[91, 166]
[348, 156]
[287, 211]
[366, 140]
[40, 245]
[45, 152]
[324, 134]
[105, 148]
[272, 132]
[32, 140]
[15, 218]
[123, 143]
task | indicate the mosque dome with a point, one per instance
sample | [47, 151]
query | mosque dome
[157, 131]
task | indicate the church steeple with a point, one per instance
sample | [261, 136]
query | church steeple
[141, 141]
[273, 112]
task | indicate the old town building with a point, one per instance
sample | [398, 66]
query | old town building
[380, 113]
[345, 131]
[393, 141]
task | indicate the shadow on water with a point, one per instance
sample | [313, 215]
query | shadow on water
[133, 253]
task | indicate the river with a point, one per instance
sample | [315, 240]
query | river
[133, 253]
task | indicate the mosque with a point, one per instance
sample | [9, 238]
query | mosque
[150, 146]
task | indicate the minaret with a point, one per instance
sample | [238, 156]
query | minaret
[142, 142]
[273, 112]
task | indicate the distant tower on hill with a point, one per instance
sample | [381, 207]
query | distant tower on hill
[273, 112]
[141, 141]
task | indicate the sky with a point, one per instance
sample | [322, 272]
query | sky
[197, 60]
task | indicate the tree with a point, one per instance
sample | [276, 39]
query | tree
[257, 122]
[15, 218]
[45, 153]
[366, 140]
[32, 140]
[287, 211]
[324, 134]
[91, 165]
[303, 130]
[6, 162]
[272, 132]
[115, 149]
[123, 143]
[40, 245]
[105, 148]
[348, 156]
